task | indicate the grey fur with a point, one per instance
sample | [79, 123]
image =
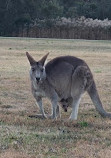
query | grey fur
[63, 80]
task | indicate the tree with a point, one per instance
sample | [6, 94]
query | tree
[51, 10]
[17, 14]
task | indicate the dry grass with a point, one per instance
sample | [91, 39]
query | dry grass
[25, 137]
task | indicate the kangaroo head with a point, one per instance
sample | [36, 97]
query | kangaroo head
[37, 71]
[64, 103]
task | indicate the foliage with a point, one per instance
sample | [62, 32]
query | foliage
[17, 14]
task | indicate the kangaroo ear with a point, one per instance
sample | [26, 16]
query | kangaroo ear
[42, 61]
[31, 60]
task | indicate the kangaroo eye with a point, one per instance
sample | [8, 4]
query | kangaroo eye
[33, 69]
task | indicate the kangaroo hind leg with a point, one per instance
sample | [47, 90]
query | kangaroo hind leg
[78, 86]
[75, 107]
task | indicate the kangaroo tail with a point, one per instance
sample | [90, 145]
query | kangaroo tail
[92, 91]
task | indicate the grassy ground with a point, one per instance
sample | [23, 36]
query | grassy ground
[25, 137]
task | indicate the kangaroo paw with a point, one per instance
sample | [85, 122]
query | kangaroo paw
[52, 117]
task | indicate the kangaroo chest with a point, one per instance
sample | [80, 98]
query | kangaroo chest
[40, 93]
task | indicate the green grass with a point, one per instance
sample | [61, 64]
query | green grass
[83, 124]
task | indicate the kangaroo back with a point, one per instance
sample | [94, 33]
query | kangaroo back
[92, 91]
[59, 74]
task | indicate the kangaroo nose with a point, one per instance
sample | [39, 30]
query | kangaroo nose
[38, 79]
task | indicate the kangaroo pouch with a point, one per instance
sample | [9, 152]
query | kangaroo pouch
[60, 77]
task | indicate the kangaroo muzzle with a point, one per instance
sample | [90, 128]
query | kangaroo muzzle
[38, 79]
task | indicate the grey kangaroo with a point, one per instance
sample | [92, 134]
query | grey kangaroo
[63, 80]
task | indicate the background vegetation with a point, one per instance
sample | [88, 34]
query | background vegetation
[19, 16]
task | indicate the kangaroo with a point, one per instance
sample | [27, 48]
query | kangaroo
[66, 103]
[62, 80]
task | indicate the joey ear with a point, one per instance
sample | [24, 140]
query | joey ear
[42, 61]
[30, 58]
